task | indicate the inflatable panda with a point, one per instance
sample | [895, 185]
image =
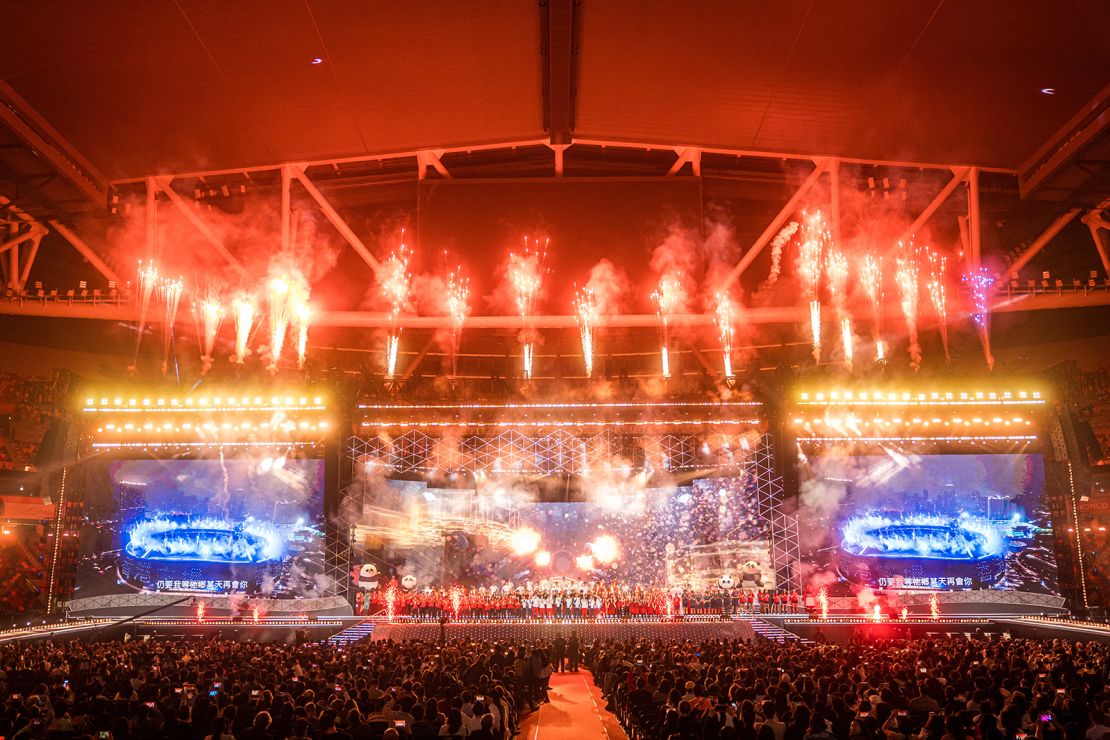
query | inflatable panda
[408, 582]
[726, 581]
[367, 577]
[751, 575]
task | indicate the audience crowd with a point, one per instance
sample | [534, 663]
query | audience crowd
[942, 689]
[937, 689]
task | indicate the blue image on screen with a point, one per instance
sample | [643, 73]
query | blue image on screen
[241, 525]
[951, 522]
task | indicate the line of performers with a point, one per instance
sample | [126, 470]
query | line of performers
[575, 602]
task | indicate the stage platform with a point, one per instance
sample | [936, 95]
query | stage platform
[586, 631]
[216, 605]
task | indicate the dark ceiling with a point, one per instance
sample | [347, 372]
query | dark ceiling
[143, 87]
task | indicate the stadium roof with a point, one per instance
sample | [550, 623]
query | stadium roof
[146, 87]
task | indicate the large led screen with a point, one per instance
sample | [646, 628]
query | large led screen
[903, 520]
[689, 534]
[236, 525]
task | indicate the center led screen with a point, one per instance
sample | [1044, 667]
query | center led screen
[904, 520]
[251, 526]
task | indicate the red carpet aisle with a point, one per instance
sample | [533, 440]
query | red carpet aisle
[576, 711]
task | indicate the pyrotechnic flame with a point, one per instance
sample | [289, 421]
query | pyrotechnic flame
[169, 291]
[525, 273]
[456, 601]
[278, 297]
[209, 314]
[667, 298]
[823, 602]
[302, 313]
[396, 284]
[725, 329]
[815, 238]
[846, 340]
[586, 314]
[938, 295]
[905, 276]
[905, 613]
[934, 606]
[243, 310]
[391, 602]
[254, 614]
[815, 328]
[148, 281]
[877, 613]
[200, 611]
[458, 293]
[979, 282]
[871, 277]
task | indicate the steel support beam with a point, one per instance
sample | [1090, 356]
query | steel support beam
[431, 158]
[332, 215]
[959, 175]
[85, 251]
[974, 220]
[107, 311]
[1039, 243]
[51, 146]
[31, 254]
[834, 196]
[286, 206]
[613, 143]
[165, 184]
[773, 227]
[559, 150]
[686, 154]
[36, 231]
[1100, 232]
[1066, 144]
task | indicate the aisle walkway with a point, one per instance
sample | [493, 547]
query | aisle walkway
[576, 710]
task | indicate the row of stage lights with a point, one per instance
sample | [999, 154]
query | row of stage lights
[119, 404]
[211, 426]
[931, 398]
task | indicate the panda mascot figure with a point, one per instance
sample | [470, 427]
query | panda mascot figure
[728, 603]
[751, 576]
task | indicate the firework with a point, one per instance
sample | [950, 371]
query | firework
[396, 284]
[254, 614]
[836, 270]
[905, 276]
[668, 297]
[390, 602]
[169, 293]
[242, 312]
[278, 301]
[905, 613]
[871, 277]
[525, 273]
[877, 613]
[815, 238]
[209, 314]
[934, 606]
[200, 610]
[846, 340]
[586, 314]
[823, 602]
[458, 292]
[725, 330]
[148, 281]
[979, 282]
[456, 601]
[302, 314]
[777, 245]
[937, 294]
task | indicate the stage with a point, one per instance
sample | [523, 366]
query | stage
[586, 631]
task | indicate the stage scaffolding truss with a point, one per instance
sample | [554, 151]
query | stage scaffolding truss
[561, 453]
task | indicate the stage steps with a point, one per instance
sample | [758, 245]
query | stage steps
[775, 633]
[354, 633]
